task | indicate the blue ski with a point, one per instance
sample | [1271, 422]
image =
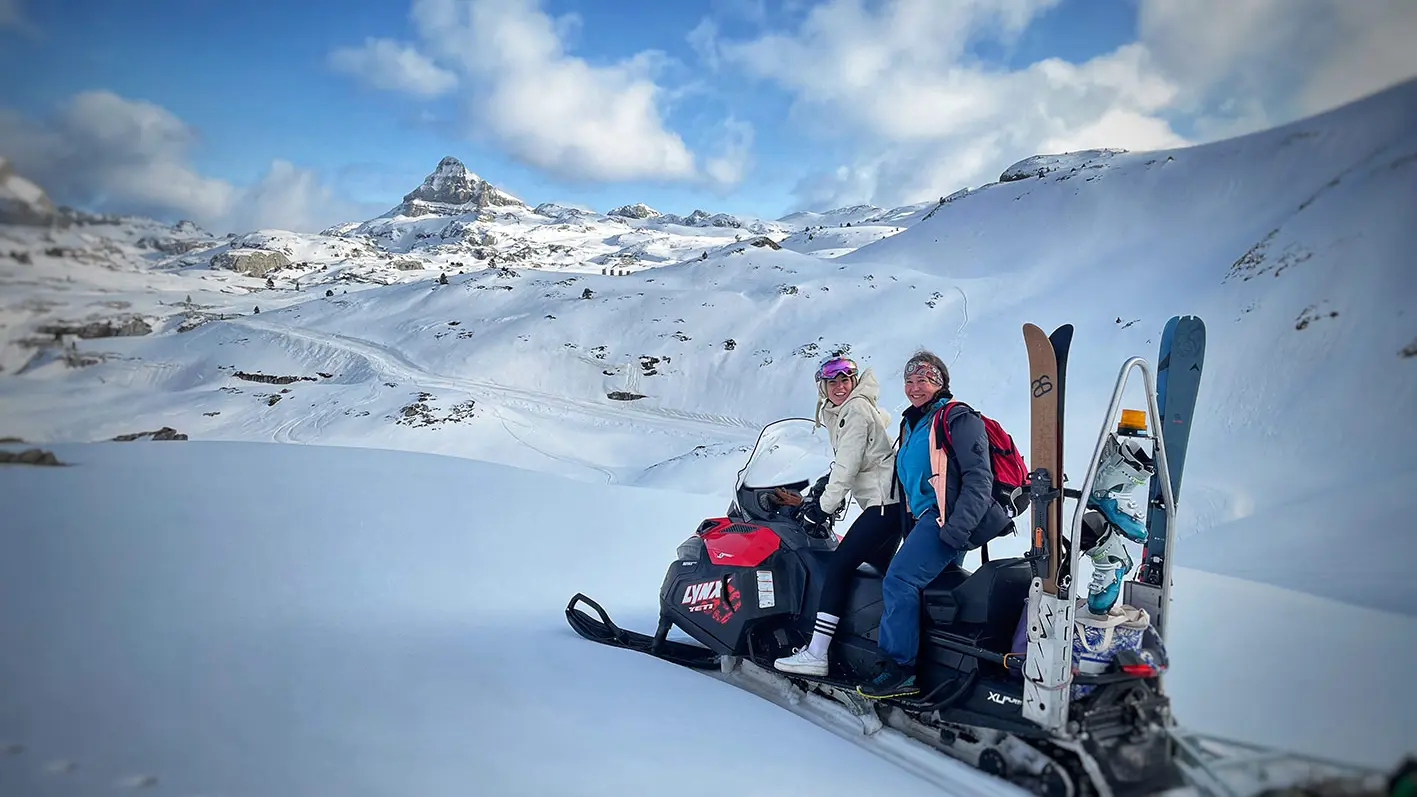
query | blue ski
[1178, 378]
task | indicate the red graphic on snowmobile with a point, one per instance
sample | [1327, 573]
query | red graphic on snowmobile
[719, 598]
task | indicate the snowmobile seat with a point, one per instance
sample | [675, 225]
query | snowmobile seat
[868, 570]
[994, 593]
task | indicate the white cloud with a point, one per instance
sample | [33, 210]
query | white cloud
[704, 41]
[924, 117]
[1246, 66]
[551, 109]
[393, 66]
[523, 91]
[114, 154]
[728, 168]
[895, 82]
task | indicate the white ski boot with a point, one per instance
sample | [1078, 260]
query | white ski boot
[1110, 565]
[802, 663]
[1125, 466]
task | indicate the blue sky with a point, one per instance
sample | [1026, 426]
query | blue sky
[779, 104]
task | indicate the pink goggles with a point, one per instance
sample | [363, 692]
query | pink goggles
[836, 366]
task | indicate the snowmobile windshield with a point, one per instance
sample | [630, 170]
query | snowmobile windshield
[788, 451]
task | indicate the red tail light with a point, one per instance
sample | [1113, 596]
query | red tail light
[1141, 669]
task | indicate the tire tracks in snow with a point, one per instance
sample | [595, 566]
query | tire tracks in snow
[394, 364]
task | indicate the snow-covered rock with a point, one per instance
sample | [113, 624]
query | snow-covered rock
[251, 262]
[639, 210]
[563, 213]
[1039, 165]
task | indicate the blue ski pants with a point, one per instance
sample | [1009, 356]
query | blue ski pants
[920, 560]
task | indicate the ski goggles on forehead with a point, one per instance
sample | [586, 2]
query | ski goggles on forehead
[835, 367]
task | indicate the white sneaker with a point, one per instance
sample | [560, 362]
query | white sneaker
[802, 663]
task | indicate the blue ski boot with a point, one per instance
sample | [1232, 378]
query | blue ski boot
[1125, 466]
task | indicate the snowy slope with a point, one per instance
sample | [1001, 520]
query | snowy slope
[259, 619]
[1287, 242]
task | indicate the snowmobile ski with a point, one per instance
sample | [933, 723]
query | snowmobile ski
[604, 631]
[1178, 374]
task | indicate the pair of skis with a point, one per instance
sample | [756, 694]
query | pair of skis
[1047, 668]
[1048, 662]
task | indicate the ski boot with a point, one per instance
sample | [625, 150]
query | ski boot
[1125, 466]
[1110, 565]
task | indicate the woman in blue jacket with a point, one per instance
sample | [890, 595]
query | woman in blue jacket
[973, 516]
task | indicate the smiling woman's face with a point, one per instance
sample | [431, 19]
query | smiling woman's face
[919, 389]
[839, 388]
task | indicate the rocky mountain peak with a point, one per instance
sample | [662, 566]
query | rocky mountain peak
[639, 210]
[451, 184]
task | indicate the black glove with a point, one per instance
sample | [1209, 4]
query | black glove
[812, 514]
[820, 487]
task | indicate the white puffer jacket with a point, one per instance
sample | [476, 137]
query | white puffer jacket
[864, 456]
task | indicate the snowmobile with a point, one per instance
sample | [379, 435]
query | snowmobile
[743, 588]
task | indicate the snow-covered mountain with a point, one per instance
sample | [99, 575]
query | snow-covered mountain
[1288, 242]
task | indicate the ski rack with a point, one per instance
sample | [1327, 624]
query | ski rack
[1213, 765]
[1157, 608]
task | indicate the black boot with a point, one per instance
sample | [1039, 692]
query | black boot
[894, 680]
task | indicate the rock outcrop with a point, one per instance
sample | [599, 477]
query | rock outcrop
[165, 433]
[639, 210]
[251, 262]
[30, 456]
[128, 327]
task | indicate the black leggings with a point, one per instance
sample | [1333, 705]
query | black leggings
[873, 537]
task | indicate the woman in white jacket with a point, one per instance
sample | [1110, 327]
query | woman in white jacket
[863, 465]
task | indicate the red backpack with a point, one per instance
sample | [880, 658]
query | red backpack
[1006, 461]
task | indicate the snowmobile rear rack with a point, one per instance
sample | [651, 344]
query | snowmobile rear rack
[1228, 768]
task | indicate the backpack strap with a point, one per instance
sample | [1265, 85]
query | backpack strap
[942, 420]
[939, 462]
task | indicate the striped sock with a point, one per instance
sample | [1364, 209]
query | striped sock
[822, 634]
